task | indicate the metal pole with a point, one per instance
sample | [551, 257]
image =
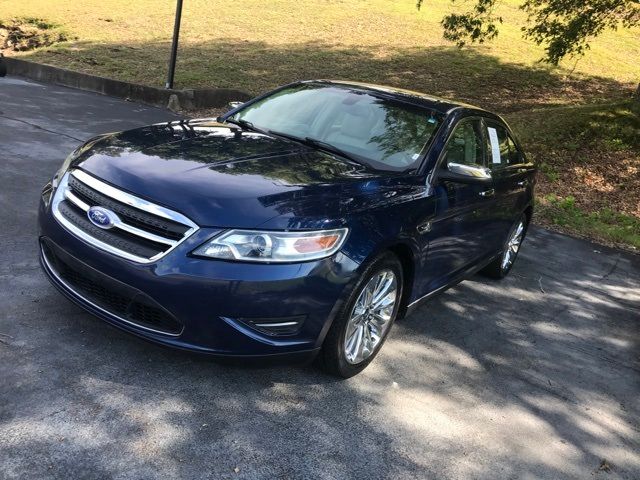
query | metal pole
[174, 46]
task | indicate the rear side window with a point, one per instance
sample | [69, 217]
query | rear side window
[465, 146]
[501, 148]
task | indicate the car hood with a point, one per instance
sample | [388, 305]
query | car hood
[221, 176]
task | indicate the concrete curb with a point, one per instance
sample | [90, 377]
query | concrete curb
[173, 99]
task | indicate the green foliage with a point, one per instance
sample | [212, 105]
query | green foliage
[563, 26]
[29, 33]
[549, 170]
[602, 139]
[36, 22]
[616, 127]
[477, 26]
[610, 127]
[605, 223]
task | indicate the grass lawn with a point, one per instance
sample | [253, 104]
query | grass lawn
[255, 45]
[589, 160]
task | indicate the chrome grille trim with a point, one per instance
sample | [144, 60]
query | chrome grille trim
[141, 233]
[63, 193]
[72, 198]
[131, 200]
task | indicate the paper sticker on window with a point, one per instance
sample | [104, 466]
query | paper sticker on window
[495, 145]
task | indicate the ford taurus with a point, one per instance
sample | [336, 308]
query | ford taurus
[302, 223]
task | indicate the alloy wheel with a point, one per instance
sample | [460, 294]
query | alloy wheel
[371, 316]
[513, 245]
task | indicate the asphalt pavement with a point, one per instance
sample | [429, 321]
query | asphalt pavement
[537, 376]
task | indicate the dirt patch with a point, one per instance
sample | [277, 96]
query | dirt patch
[24, 34]
[591, 153]
[589, 161]
[598, 179]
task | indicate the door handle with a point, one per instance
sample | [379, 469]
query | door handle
[487, 193]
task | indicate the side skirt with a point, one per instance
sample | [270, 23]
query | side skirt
[413, 306]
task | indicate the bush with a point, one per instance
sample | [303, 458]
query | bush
[27, 33]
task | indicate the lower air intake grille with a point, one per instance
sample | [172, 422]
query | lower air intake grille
[117, 298]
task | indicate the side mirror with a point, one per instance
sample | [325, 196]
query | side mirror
[461, 173]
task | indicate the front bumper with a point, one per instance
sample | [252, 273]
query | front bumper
[216, 304]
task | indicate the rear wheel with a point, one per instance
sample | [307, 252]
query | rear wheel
[500, 267]
[361, 327]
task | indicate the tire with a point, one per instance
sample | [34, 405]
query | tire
[501, 266]
[361, 318]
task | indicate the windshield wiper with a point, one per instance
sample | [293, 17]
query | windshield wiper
[320, 145]
[245, 125]
[330, 148]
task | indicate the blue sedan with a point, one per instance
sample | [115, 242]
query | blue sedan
[302, 223]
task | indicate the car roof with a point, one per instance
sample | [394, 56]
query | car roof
[439, 104]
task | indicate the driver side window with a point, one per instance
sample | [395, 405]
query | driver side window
[466, 145]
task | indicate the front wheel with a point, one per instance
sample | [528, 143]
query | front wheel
[500, 267]
[362, 325]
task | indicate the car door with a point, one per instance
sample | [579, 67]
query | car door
[463, 212]
[512, 176]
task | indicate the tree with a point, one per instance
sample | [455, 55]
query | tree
[565, 27]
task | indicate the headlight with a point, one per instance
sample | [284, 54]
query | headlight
[262, 246]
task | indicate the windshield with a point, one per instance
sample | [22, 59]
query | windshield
[381, 132]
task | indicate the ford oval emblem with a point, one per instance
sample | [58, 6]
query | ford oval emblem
[101, 217]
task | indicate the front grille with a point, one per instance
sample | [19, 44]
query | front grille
[142, 231]
[116, 298]
[132, 216]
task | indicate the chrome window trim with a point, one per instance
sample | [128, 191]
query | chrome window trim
[52, 271]
[63, 193]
